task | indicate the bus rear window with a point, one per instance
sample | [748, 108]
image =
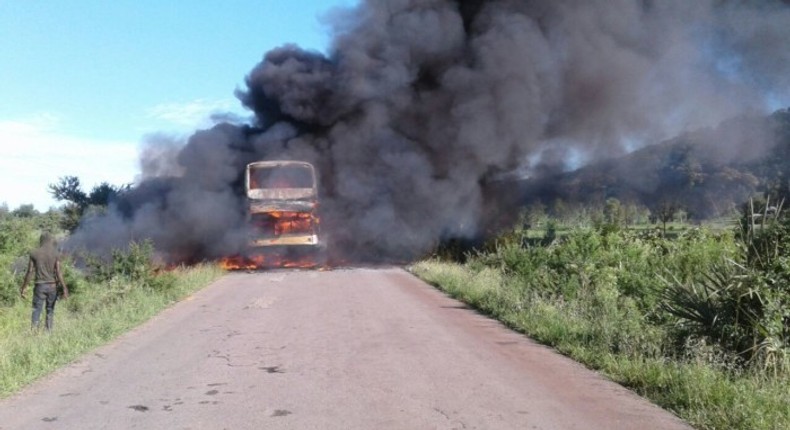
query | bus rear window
[279, 177]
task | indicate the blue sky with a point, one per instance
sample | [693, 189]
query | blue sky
[82, 81]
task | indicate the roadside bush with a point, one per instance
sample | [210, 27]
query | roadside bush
[698, 320]
[9, 290]
[575, 262]
[17, 237]
[163, 281]
[111, 279]
[742, 305]
[615, 282]
[134, 263]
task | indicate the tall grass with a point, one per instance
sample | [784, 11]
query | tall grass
[602, 298]
[119, 295]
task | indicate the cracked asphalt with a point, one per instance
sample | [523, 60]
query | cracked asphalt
[343, 349]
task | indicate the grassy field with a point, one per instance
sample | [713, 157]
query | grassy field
[85, 321]
[615, 302]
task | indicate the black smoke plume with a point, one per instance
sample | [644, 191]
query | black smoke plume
[421, 104]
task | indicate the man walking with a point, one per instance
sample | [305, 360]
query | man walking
[45, 263]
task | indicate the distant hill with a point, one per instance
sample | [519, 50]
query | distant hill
[707, 173]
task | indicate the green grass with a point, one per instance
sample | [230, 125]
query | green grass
[95, 315]
[598, 325]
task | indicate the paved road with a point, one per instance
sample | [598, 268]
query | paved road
[346, 349]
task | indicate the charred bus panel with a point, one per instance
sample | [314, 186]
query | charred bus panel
[282, 198]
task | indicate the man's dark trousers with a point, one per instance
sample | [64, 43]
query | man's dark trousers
[44, 293]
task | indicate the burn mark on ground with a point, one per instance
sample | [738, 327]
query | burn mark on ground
[69, 394]
[281, 413]
[49, 419]
[218, 354]
[212, 328]
[228, 361]
[455, 422]
[139, 408]
[212, 392]
[241, 365]
[272, 369]
[217, 384]
[167, 408]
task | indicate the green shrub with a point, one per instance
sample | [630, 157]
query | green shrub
[9, 288]
[640, 292]
[742, 304]
[698, 320]
[17, 237]
[134, 263]
[163, 281]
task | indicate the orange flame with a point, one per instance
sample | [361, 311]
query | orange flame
[260, 261]
[277, 223]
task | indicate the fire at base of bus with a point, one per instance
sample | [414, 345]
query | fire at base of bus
[282, 218]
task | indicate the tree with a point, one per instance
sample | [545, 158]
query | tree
[560, 210]
[103, 194]
[681, 215]
[69, 189]
[666, 212]
[25, 211]
[613, 211]
[635, 213]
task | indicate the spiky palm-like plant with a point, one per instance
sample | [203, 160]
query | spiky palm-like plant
[744, 305]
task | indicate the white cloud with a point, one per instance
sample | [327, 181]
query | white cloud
[41, 122]
[193, 114]
[34, 154]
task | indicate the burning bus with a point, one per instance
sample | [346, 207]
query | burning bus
[282, 203]
[282, 198]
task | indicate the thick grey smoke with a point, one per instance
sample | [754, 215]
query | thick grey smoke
[420, 103]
